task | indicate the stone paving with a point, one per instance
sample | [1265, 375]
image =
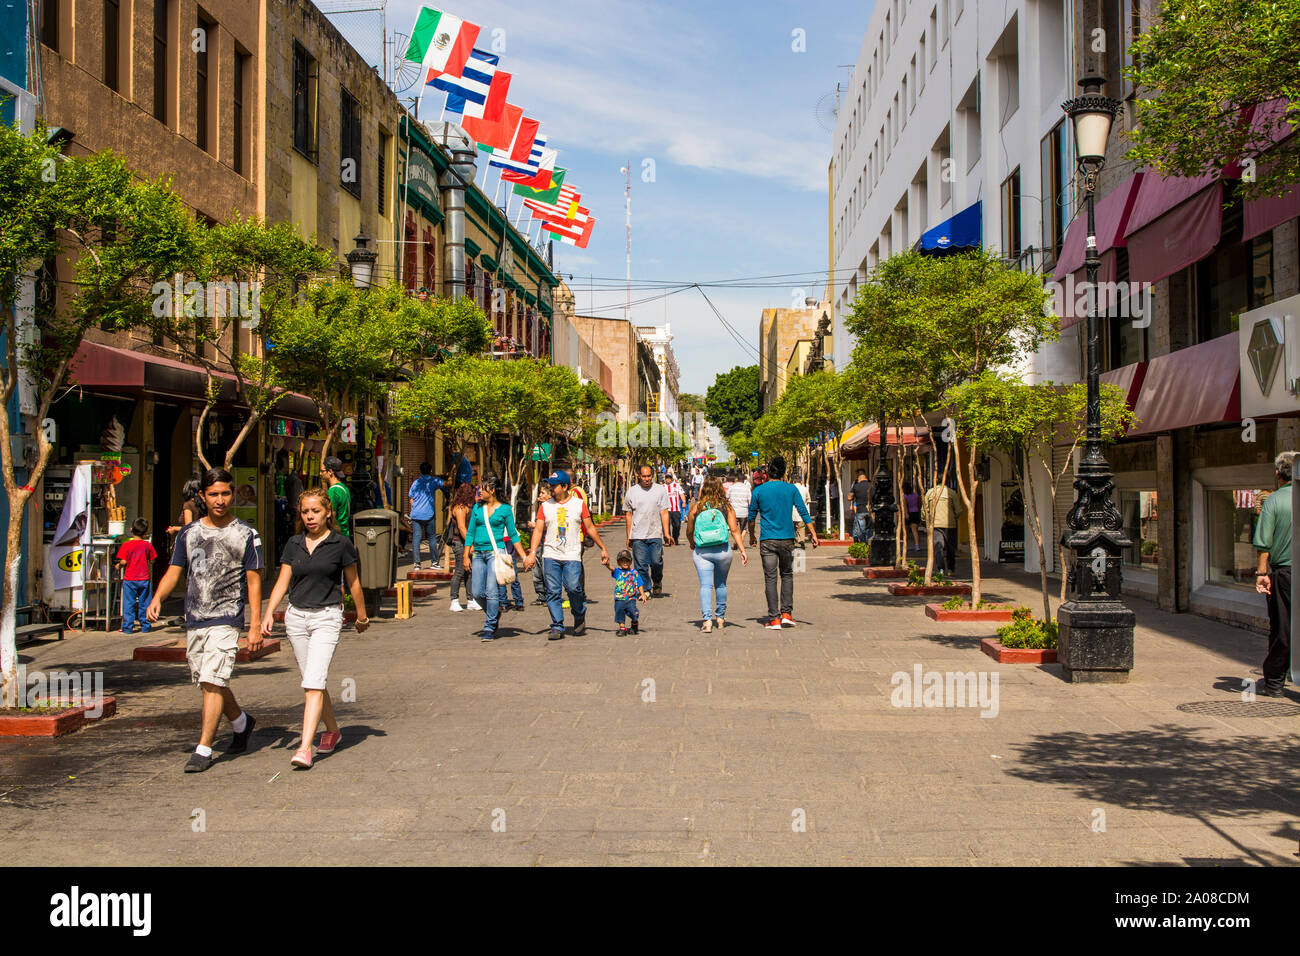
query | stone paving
[758, 747]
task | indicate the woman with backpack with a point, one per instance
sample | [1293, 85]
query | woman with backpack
[710, 528]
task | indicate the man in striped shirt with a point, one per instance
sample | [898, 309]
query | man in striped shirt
[676, 506]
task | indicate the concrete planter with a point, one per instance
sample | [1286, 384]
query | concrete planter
[417, 591]
[428, 575]
[999, 615]
[878, 573]
[65, 721]
[1016, 655]
[856, 562]
[918, 590]
[173, 651]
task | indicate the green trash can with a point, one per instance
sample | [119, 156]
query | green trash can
[374, 532]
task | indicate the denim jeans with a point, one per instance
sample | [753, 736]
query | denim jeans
[712, 564]
[484, 587]
[778, 559]
[862, 527]
[421, 530]
[567, 576]
[625, 608]
[648, 556]
[516, 590]
[136, 596]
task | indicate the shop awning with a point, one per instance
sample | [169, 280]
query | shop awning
[1261, 215]
[1111, 218]
[956, 234]
[1128, 379]
[1193, 386]
[859, 446]
[1187, 233]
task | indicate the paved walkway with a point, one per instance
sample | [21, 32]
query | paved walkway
[759, 747]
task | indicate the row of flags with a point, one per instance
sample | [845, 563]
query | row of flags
[477, 90]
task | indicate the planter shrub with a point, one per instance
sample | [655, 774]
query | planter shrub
[1025, 632]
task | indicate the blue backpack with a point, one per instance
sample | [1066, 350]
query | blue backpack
[711, 528]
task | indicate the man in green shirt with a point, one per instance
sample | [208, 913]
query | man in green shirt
[1273, 576]
[340, 497]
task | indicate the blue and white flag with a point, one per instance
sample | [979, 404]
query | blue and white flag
[480, 91]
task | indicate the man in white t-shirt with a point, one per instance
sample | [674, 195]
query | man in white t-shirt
[801, 529]
[558, 527]
[738, 494]
[646, 511]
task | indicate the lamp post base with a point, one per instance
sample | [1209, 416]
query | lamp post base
[1095, 641]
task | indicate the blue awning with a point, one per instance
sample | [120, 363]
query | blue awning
[957, 234]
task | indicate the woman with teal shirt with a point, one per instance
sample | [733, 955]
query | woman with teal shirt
[490, 521]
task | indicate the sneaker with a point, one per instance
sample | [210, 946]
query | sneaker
[622, 630]
[488, 637]
[417, 566]
[328, 742]
[473, 605]
[302, 758]
[1268, 690]
[517, 607]
[580, 626]
[455, 605]
[557, 634]
[540, 600]
[636, 627]
[239, 742]
[774, 624]
[657, 590]
[198, 763]
[788, 620]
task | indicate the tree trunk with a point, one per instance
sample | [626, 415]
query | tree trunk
[198, 437]
[239, 439]
[1031, 511]
[329, 439]
[969, 488]
[928, 510]
[8, 613]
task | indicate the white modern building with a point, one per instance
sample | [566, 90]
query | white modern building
[660, 340]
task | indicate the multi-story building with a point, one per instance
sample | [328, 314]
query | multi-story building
[631, 362]
[660, 340]
[785, 339]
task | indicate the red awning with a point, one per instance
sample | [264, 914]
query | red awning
[1184, 235]
[1128, 379]
[1261, 215]
[1112, 215]
[1193, 386]
[860, 445]
[1070, 300]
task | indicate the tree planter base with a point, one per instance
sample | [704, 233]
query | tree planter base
[56, 724]
[427, 575]
[855, 562]
[947, 590]
[836, 542]
[884, 572]
[1016, 655]
[173, 651]
[1000, 615]
[418, 591]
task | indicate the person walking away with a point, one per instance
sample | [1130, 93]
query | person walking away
[421, 495]
[760, 476]
[539, 571]
[860, 507]
[314, 561]
[773, 503]
[944, 508]
[221, 557]
[462, 503]
[801, 526]
[676, 506]
[491, 521]
[738, 496]
[340, 497]
[711, 527]
[1273, 576]
[912, 506]
[136, 557]
[628, 589]
[646, 512]
[556, 528]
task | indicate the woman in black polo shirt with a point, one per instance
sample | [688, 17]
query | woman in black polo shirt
[313, 563]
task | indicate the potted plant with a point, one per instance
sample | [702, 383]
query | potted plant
[1023, 641]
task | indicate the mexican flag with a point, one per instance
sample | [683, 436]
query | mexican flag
[441, 42]
[549, 195]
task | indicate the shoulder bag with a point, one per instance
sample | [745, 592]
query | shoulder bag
[502, 562]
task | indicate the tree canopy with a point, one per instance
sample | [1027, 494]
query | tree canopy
[732, 401]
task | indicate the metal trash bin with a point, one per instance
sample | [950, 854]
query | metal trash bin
[374, 532]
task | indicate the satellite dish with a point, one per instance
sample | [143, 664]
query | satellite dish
[827, 110]
[405, 73]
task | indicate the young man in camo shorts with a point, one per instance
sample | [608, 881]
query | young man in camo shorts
[221, 557]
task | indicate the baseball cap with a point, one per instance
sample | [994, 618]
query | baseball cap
[559, 478]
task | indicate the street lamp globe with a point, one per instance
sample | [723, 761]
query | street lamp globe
[1092, 114]
[361, 261]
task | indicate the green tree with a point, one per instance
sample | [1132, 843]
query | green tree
[732, 401]
[541, 401]
[120, 236]
[958, 316]
[455, 400]
[824, 405]
[1027, 422]
[1204, 61]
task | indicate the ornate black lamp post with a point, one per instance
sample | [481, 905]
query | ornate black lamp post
[1096, 629]
[361, 261]
[883, 509]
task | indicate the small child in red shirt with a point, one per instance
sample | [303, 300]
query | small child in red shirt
[137, 557]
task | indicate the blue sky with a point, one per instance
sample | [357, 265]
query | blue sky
[717, 98]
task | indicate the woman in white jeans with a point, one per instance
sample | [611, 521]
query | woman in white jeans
[313, 563]
[710, 528]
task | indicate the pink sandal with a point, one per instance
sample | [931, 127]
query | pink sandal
[302, 759]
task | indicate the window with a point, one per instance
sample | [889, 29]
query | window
[945, 175]
[1130, 28]
[957, 7]
[207, 34]
[237, 141]
[112, 36]
[160, 27]
[1009, 82]
[50, 24]
[921, 79]
[381, 172]
[1236, 277]
[889, 35]
[1054, 190]
[943, 23]
[304, 102]
[902, 115]
[1139, 510]
[350, 143]
[1011, 215]
[1230, 518]
[933, 33]
[911, 70]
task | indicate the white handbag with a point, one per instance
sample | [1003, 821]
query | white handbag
[502, 563]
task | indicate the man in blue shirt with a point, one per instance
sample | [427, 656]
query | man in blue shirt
[775, 502]
[422, 494]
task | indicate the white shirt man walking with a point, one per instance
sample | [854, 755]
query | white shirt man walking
[646, 512]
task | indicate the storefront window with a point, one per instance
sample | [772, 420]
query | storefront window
[1231, 514]
[1139, 510]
